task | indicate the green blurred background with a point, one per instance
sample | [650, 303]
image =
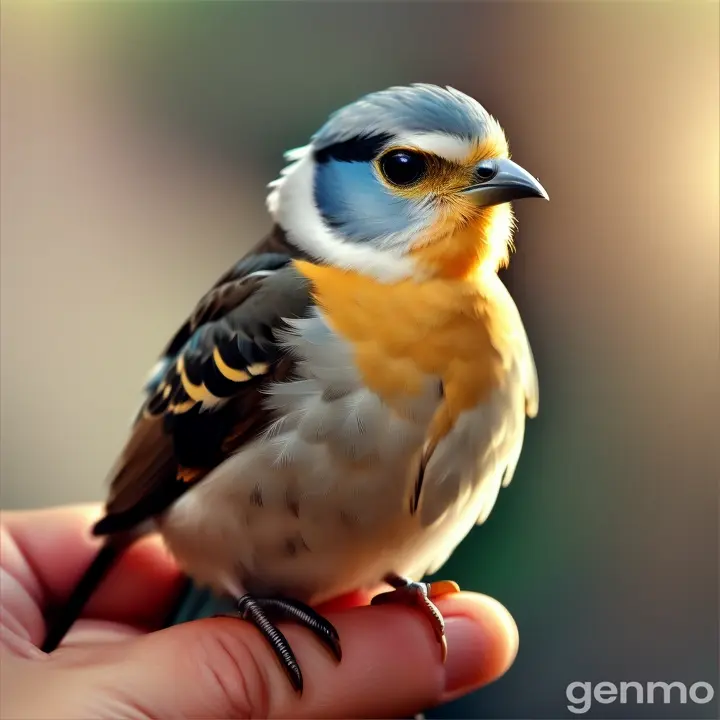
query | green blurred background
[137, 140]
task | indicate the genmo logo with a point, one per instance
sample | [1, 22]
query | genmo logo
[582, 694]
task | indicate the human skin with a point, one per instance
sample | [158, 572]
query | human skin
[117, 663]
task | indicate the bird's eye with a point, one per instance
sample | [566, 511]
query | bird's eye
[402, 167]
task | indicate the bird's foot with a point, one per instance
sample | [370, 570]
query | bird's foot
[262, 611]
[420, 595]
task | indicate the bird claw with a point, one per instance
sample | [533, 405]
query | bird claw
[421, 595]
[258, 611]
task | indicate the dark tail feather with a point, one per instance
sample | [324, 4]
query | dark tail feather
[104, 560]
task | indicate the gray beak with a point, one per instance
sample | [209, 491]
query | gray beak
[500, 181]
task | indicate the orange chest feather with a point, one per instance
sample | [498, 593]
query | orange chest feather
[403, 332]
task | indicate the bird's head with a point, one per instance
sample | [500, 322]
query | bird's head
[409, 181]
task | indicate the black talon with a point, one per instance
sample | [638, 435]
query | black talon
[307, 617]
[251, 610]
[257, 612]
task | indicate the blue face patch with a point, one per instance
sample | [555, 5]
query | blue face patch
[353, 201]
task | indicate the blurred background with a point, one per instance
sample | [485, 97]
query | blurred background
[137, 141]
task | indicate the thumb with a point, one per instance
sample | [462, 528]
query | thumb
[222, 667]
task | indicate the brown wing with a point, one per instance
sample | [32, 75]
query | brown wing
[205, 399]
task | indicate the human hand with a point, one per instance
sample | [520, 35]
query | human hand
[116, 663]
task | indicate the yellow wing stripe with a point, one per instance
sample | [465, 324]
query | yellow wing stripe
[198, 393]
[227, 371]
[257, 369]
[180, 408]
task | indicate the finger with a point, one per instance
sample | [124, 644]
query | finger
[87, 634]
[46, 550]
[51, 549]
[347, 601]
[492, 647]
[141, 589]
[391, 664]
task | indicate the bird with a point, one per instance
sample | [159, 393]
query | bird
[343, 406]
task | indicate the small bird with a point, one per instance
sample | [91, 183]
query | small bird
[344, 404]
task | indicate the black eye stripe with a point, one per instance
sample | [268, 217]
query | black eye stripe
[357, 149]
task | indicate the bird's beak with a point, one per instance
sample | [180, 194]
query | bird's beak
[500, 181]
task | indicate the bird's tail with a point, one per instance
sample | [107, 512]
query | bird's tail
[106, 557]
